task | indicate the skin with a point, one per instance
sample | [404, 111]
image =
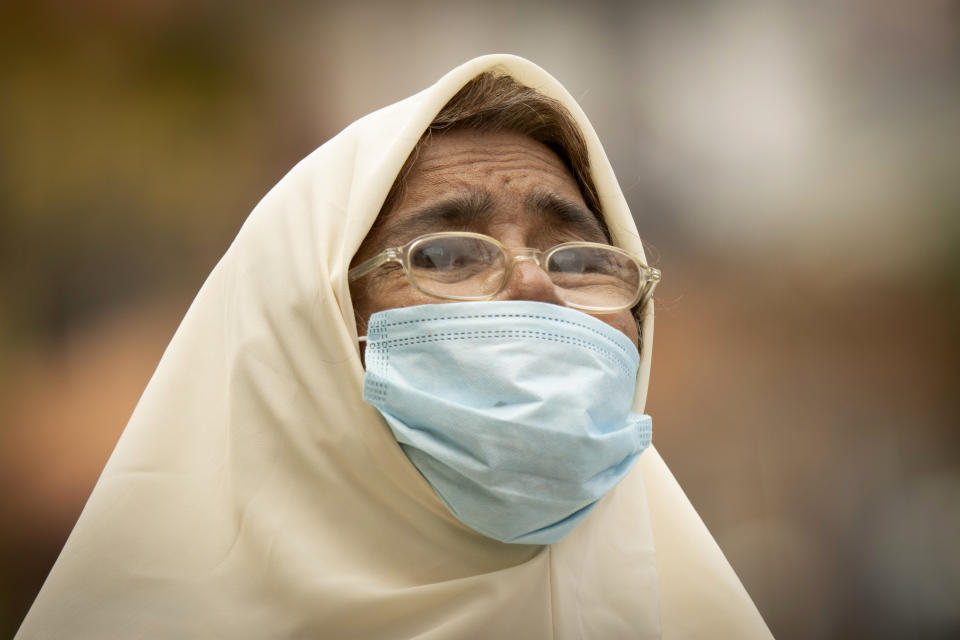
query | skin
[505, 185]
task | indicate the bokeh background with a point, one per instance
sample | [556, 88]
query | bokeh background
[794, 169]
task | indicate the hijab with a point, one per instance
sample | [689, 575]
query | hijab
[254, 494]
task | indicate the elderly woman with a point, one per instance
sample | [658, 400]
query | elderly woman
[407, 403]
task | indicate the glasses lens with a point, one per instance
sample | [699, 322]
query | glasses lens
[456, 266]
[597, 277]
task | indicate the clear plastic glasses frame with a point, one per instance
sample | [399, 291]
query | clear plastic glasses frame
[646, 281]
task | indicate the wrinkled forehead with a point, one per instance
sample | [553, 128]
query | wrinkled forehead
[489, 182]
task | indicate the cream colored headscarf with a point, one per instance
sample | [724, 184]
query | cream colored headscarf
[255, 495]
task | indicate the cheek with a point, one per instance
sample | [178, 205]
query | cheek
[390, 290]
[624, 322]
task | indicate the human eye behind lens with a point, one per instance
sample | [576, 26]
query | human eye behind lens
[567, 261]
[453, 258]
[584, 260]
[592, 268]
[436, 257]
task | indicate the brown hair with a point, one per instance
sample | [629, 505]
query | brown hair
[495, 103]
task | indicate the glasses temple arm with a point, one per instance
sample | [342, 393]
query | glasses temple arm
[653, 278]
[367, 266]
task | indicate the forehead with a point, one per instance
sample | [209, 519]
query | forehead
[484, 181]
[505, 160]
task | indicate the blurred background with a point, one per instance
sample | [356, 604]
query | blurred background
[793, 168]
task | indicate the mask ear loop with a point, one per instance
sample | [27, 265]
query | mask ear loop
[362, 349]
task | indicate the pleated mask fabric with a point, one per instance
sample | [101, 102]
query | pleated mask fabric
[517, 412]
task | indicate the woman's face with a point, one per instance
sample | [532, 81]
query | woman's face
[505, 185]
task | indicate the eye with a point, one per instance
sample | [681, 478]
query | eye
[567, 261]
[454, 258]
[599, 261]
[436, 256]
[452, 254]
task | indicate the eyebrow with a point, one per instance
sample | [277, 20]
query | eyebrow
[566, 213]
[468, 209]
[461, 210]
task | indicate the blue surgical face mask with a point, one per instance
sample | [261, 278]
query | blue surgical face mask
[516, 412]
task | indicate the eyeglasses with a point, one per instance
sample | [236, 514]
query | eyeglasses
[459, 265]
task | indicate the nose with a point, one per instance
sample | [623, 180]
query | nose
[528, 281]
